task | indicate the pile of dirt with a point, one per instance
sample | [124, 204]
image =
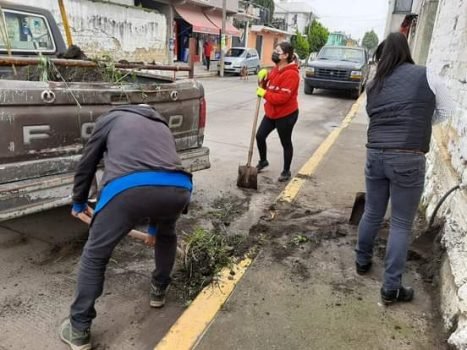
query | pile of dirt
[207, 245]
[205, 254]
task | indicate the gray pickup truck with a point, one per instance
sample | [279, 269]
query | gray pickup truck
[44, 125]
[338, 68]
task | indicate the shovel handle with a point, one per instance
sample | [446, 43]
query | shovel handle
[133, 233]
[253, 132]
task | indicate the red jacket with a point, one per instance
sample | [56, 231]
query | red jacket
[207, 49]
[282, 91]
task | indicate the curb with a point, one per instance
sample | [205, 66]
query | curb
[195, 321]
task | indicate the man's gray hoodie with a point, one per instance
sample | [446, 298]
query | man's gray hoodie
[130, 139]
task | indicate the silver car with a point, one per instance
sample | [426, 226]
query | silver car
[238, 57]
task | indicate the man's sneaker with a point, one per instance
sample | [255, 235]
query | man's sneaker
[404, 294]
[363, 269]
[157, 296]
[285, 176]
[77, 340]
[262, 164]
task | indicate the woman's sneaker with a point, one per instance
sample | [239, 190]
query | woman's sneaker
[77, 340]
[285, 176]
[157, 296]
[262, 164]
[390, 296]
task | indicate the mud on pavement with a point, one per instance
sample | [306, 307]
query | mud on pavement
[313, 249]
[39, 258]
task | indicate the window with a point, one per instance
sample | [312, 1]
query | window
[27, 32]
[342, 54]
[403, 6]
[235, 53]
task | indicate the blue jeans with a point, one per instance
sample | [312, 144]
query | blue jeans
[398, 176]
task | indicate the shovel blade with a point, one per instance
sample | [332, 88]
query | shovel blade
[247, 177]
[358, 208]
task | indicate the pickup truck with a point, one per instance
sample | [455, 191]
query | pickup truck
[44, 125]
[338, 68]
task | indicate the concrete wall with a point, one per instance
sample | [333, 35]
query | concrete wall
[303, 19]
[420, 44]
[447, 163]
[113, 28]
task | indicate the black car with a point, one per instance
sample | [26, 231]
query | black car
[338, 67]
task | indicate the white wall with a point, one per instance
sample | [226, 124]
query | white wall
[103, 27]
[447, 161]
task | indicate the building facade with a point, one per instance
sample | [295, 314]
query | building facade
[293, 16]
[437, 33]
[264, 39]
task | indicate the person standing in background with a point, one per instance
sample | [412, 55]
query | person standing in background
[207, 48]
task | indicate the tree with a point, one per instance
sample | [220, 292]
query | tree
[269, 5]
[317, 36]
[301, 45]
[370, 40]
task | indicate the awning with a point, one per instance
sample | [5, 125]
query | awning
[194, 16]
[216, 18]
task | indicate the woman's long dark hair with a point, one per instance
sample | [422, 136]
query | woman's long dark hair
[391, 53]
[288, 49]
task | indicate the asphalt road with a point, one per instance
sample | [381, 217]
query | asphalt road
[39, 253]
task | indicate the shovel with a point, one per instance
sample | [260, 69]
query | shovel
[357, 209]
[248, 175]
[133, 233]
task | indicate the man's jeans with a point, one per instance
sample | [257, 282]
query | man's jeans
[398, 176]
[162, 206]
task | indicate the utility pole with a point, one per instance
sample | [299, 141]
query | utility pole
[224, 18]
[247, 32]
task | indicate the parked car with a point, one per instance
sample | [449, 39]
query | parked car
[238, 57]
[338, 67]
[44, 125]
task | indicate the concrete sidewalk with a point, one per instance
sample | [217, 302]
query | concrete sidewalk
[302, 291]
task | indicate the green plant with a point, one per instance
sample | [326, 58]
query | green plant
[301, 45]
[299, 239]
[206, 253]
[317, 35]
[370, 40]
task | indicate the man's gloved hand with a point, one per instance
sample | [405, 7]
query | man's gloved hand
[262, 74]
[260, 92]
[79, 208]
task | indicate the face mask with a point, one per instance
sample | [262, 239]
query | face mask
[275, 57]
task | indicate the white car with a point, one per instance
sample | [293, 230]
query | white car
[238, 57]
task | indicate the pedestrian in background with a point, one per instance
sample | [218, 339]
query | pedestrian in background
[279, 88]
[207, 48]
[401, 103]
[143, 180]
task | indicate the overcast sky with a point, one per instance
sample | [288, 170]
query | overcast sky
[354, 17]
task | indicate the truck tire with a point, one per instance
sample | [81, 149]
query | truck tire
[356, 93]
[308, 89]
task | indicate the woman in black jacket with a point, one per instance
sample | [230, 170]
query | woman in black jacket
[401, 103]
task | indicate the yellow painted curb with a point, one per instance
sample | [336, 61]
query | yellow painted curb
[294, 186]
[189, 328]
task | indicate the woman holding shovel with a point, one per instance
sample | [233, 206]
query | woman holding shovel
[402, 100]
[279, 88]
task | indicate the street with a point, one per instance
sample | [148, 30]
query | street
[39, 253]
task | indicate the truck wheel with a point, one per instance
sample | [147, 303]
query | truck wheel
[308, 90]
[356, 93]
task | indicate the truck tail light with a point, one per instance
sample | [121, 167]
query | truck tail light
[202, 113]
[201, 120]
